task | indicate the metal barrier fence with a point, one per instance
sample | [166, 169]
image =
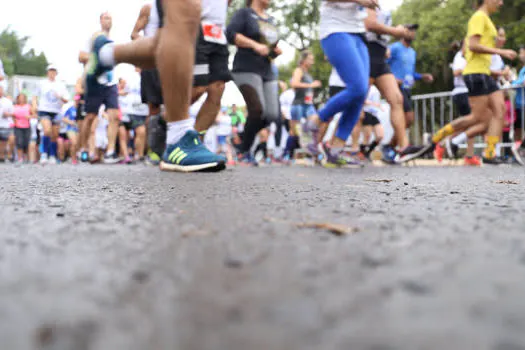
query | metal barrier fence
[433, 111]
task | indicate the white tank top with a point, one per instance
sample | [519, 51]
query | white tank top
[341, 17]
[383, 17]
[153, 23]
[214, 11]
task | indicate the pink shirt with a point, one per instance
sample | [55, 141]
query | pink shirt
[21, 113]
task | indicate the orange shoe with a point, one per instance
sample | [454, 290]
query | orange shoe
[472, 161]
[439, 152]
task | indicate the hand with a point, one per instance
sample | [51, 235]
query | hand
[509, 54]
[371, 4]
[262, 50]
[278, 51]
[428, 78]
[316, 84]
[506, 73]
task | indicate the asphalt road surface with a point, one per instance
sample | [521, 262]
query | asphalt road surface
[110, 258]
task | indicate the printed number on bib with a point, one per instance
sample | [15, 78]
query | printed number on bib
[309, 98]
[213, 33]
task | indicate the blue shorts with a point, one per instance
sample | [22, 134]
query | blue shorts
[222, 140]
[101, 95]
[54, 118]
[299, 112]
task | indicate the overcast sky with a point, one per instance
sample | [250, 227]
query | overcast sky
[61, 28]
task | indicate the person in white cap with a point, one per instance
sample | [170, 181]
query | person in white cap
[52, 95]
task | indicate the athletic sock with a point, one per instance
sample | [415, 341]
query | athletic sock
[177, 130]
[447, 130]
[371, 147]
[106, 55]
[459, 139]
[490, 150]
[262, 147]
[46, 142]
[53, 149]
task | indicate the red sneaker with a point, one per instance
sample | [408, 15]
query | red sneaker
[473, 161]
[439, 152]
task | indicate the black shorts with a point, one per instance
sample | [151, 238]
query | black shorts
[105, 95]
[370, 120]
[150, 88]
[407, 100]
[480, 84]
[378, 65]
[462, 104]
[211, 63]
[127, 125]
[22, 137]
[334, 90]
[63, 136]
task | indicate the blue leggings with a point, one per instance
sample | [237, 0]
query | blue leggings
[348, 54]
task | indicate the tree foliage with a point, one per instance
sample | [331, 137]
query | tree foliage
[16, 59]
[444, 21]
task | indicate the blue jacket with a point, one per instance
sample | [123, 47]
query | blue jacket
[520, 93]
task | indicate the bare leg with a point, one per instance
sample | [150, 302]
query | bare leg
[356, 133]
[85, 130]
[2, 149]
[175, 55]
[210, 108]
[112, 129]
[389, 88]
[140, 52]
[140, 141]
[61, 149]
[123, 141]
[409, 119]
[470, 147]
[32, 152]
[73, 138]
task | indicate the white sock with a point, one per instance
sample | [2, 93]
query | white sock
[461, 138]
[107, 54]
[177, 130]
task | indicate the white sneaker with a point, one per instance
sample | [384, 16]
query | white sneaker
[43, 158]
[52, 160]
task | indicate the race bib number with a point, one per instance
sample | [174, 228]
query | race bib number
[309, 98]
[213, 33]
[408, 82]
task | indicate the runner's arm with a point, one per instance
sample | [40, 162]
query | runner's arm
[296, 80]
[142, 21]
[83, 57]
[373, 25]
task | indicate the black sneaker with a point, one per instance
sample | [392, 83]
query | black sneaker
[414, 152]
[452, 149]
[493, 161]
[111, 158]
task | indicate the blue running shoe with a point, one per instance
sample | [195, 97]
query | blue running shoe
[389, 155]
[190, 155]
[94, 68]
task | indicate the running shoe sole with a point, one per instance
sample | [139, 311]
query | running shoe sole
[408, 157]
[210, 167]
[517, 156]
[111, 161]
